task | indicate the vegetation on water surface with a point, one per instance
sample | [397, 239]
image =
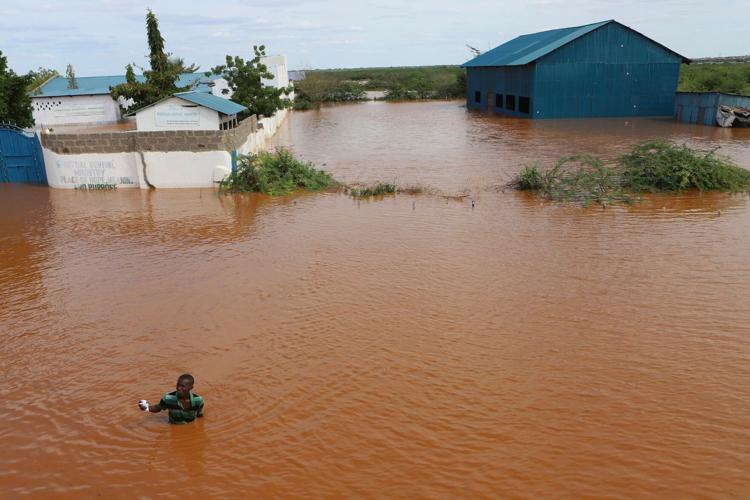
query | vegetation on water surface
[651, 166]
[376, 190]
[399, 83]
[275, 173]
[733, 78]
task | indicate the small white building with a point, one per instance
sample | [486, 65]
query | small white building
[189, 111]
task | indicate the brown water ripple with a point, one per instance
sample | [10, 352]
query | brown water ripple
[409, 346]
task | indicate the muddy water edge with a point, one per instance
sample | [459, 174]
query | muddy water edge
[404, 346]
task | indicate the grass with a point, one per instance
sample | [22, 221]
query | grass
[652, 166]
[275, 173]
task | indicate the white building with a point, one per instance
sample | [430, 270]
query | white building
[55, 103]
[89, 103]
[189, 111]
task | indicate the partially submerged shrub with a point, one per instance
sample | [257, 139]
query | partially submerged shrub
[275, 173]
[376, 190]
[661, 166]
[654, 166]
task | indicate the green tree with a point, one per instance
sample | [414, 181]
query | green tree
[245, 79]
[160, 80]
[130, 74]
[15, 104]
[70, 74]
[38, 77]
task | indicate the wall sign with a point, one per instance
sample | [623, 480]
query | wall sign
[177, 116]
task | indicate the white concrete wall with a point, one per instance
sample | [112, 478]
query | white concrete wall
[176, 114]
[179, 169]
[258, 141]
[71, 110]
[276, 66]
[93, 171]
[136, 170]
[185, 170]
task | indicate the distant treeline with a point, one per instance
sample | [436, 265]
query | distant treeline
[404, 83]
[449, 82]
[733, 78]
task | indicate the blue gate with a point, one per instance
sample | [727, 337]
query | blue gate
[21, 158]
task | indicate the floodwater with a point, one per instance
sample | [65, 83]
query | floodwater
[411, 346]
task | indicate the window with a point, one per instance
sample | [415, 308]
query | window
[524, 105]
[498, 100]
[510, 102]
[477, 96]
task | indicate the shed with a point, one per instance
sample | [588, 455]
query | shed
[604, 69]
[189, 111]
[705, 108]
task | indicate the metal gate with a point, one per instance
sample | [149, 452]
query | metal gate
[21, 158]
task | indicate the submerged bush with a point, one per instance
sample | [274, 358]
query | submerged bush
[275, 173]
[661, 166]
[655, 166]
[376, 190]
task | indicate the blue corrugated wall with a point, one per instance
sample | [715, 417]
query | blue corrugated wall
[612, 71]
[701, 107]
[492, 82]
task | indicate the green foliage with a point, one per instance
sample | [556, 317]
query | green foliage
[312, 91]
[15, 104]
[38, 77]
[426, 82]
[161, 79]
[276, 173]
[245, 80]
[530, 178]
[130, 75]
[655, 166]
[157, 57]
[376, 190]
[70, 74]
[727, 77]
[661, 166]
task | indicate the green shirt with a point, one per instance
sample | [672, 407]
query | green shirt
[177, 415]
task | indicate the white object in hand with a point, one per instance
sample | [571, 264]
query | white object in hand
[143, 404]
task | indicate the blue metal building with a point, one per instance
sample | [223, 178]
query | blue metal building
[598, 70]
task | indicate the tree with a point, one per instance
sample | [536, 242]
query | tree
[15, 104]
[245, 79]
[39, 77]
[160, 80]
[70, 74]
[130, 74]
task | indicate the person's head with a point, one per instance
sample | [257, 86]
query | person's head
[185, 384]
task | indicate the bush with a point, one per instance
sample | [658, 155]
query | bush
[655, 166]
[661, 166]
[275, 173]
[376, 190]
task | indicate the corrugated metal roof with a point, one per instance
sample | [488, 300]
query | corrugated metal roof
[95, 85]
[212, 102]
[528, 48]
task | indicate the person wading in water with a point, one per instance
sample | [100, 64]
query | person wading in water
[183, 404]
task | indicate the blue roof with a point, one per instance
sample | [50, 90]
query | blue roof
[212, 102]
[94, 85]
[528, 48]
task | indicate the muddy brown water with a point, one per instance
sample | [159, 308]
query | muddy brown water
[411, 346]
